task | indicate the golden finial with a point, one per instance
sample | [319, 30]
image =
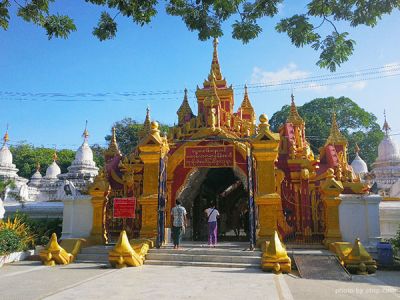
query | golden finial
[184, 110]
[246, 104]
[113, 146]
[215, 68]
[357, 149]
[147, 121]
[113, 135]
[386, 126]
[6, 137]
[146, 125]
[85, 133]
[335, 136]
[294, 116]
[37, 167]
[55, 157]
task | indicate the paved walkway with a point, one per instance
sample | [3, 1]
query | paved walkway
[31, 280]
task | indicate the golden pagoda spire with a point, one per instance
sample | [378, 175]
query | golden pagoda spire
[6, 137]
[246, 101]
[85, 133]
[294, 116]
[146, 125]
[38, 167]
[55, 157]
[215, 67]
[335, 137]
[212, 98]
[113, 148]
[386, 126]
[184, 109]
[357, 149]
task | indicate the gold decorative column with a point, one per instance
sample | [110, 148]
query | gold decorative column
[265, 150]
[99, 191]
[151, 147]
[330, 191]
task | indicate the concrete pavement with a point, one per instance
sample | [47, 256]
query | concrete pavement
[31, 280]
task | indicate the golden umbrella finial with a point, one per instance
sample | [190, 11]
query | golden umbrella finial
[6, 137]
[357, 149]
[386, 126]
[85, 133]
[38, 166]
[55, 157]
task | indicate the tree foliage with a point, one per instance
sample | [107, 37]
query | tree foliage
[356, 124]
[127, 133]
[206, 17]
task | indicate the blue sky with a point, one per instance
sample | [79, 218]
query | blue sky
[165, 56]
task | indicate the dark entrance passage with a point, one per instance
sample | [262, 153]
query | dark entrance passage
[224, 188]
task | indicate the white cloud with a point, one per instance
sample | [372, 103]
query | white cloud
[289, 72]
[360, 85]
[282, 77]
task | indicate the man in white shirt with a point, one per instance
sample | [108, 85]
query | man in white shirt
[178, 221]
[212, 214]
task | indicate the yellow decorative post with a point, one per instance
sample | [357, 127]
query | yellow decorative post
[275, 257]
[359, 260]
[330, 191]
[99, 191]
[54, 254]
[265, 150]
[123, 254]
[151, 147]
[354, 257]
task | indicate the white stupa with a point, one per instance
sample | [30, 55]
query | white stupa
[8, 171]
[358, 165]
[53, 170]
[36, 178]
[386, 168]
[83, 169]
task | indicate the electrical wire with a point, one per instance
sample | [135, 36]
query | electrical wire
[301, 83]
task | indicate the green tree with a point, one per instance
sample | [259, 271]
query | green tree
[26, 157]
[356, 124]
[206, 17]
[127, 133]
[98, 155]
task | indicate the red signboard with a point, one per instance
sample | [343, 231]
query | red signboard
[209, 156]
[124, 207]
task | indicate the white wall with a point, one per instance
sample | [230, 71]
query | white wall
[389, 218]
[77, 217]
[359, 218]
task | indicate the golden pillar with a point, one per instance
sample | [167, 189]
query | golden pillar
[152, 147]
[330, 191]
[265, 150]
[99, 191]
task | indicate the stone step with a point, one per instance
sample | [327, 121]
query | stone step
[207, 251]
[92, 257]
[200, 264]
[97, 250]
[204, 258]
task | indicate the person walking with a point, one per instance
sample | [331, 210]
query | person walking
[178, 221]
[212, 215]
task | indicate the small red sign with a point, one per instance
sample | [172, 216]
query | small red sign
[124, 207]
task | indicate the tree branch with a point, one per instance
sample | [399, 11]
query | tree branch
[326, 19]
